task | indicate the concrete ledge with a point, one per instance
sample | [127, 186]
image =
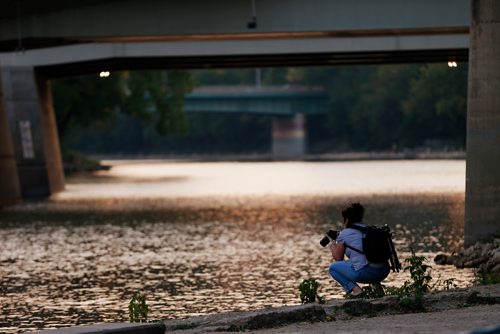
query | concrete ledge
[110, 328]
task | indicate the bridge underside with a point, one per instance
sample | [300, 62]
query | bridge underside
[248, 61]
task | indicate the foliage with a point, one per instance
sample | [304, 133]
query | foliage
[208, 133]
[436, 106]
[420, 278]
[153, 97]
[75, 162]
[309, 291]
[373, 291]
[85, 101]
[485, 277]
[138, 309]
[416, 287]
[450, 284]
[413, 290]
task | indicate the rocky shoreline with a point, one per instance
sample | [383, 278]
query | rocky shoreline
[484, 256]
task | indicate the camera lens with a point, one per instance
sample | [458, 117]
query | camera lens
[332, 234]
[325, 241]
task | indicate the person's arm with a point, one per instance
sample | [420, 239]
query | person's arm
[338, 250]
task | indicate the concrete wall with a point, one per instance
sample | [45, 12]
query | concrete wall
[10, 191]
[288, 136]
[482, 212]
[28, 104]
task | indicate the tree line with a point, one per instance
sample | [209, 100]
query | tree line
[371, 108]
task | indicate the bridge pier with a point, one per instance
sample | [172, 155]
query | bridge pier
[27, 100]
[289, 136]
[482, 209]
[10, 190]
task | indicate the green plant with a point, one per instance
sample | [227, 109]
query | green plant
[485, 277]
[410, 295]
[449, 284]
[373, 291]
[138, 309]
[309, 291]
[420, 278]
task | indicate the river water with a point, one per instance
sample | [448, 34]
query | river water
[201, 238]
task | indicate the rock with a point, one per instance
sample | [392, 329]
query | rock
[442, 259]
[485, 256]
[493, 264]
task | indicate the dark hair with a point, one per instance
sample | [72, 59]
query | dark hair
[354, 213]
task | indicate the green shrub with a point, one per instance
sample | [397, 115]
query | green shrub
[138, 309]
[485, 277]
[420, 278]
[374, 291]
[309, 291]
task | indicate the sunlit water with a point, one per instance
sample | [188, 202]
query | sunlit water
[200, 238]
[160, 179]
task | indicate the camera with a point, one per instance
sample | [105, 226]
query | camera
[331, 234]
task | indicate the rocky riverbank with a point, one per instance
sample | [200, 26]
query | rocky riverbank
[483, 256]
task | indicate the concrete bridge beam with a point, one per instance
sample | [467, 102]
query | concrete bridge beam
[27, 101]
[482, 210]
[289, 136]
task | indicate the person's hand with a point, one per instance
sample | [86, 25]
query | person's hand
[331, 245]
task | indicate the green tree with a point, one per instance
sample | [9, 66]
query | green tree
[436, 107]
[154, 97]
[345, 89]
[83, 101]
[376, 116]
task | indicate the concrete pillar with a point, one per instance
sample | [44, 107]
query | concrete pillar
[10, 190]
[289, 136]
[28, 103]
[482, 201]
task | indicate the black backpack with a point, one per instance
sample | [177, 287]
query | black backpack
[377, 245]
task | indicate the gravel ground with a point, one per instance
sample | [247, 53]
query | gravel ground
[462, 320]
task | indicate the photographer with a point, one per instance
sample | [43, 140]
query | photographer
[357, 269]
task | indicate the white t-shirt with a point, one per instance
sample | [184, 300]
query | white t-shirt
[353, 238]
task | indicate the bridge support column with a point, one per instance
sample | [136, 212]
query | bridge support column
[10, 190]
[289, 136]
[482, 201]
[28, 103]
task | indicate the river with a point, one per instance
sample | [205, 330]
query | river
[206, 237]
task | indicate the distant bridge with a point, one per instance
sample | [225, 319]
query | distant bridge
[289, 106]
[270, 100]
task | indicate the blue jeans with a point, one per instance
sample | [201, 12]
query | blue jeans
[344, 273]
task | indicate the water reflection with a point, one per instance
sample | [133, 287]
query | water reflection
[159, 179]
[75, 261]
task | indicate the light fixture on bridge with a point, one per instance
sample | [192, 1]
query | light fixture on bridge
[104, 74]
[452, 62]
